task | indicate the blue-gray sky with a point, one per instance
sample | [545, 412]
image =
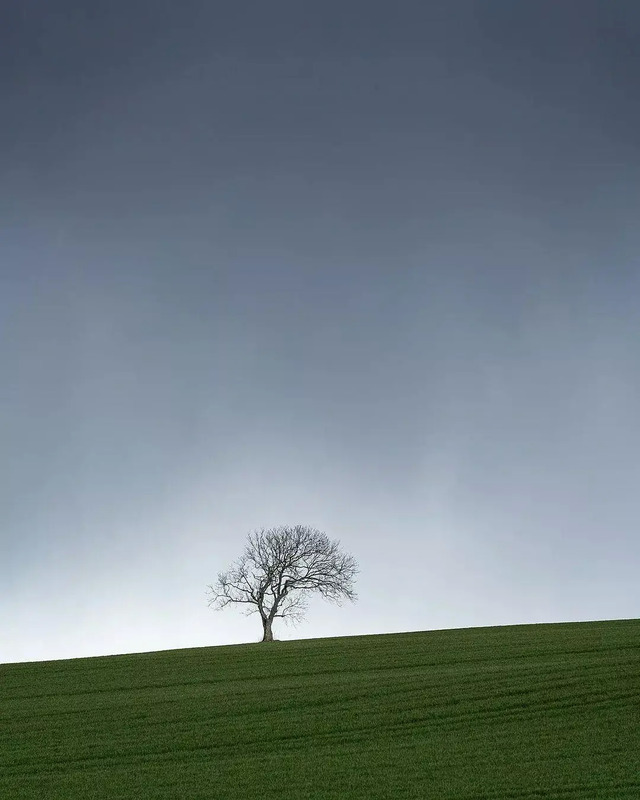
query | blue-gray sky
[372, 267]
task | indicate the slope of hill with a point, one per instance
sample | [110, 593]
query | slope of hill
[531, 711]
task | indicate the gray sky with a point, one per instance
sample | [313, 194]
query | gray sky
[367, 266]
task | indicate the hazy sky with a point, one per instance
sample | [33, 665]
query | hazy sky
[373, 267]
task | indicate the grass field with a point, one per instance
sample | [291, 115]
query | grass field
[531, 711]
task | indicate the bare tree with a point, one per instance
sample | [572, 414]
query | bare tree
[277, 571]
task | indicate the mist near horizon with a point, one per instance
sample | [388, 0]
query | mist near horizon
[370, 269]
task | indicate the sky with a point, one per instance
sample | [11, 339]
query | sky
[372, 267]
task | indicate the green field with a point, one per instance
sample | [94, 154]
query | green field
[529, 711]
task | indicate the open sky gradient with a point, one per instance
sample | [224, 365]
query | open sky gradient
[370, 266]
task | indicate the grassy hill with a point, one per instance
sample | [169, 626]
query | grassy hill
[531, 711]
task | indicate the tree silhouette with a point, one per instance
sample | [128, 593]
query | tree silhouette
[278, 570]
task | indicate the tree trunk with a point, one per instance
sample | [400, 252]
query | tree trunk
[268, 635]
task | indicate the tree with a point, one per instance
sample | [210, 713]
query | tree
[278, 570]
